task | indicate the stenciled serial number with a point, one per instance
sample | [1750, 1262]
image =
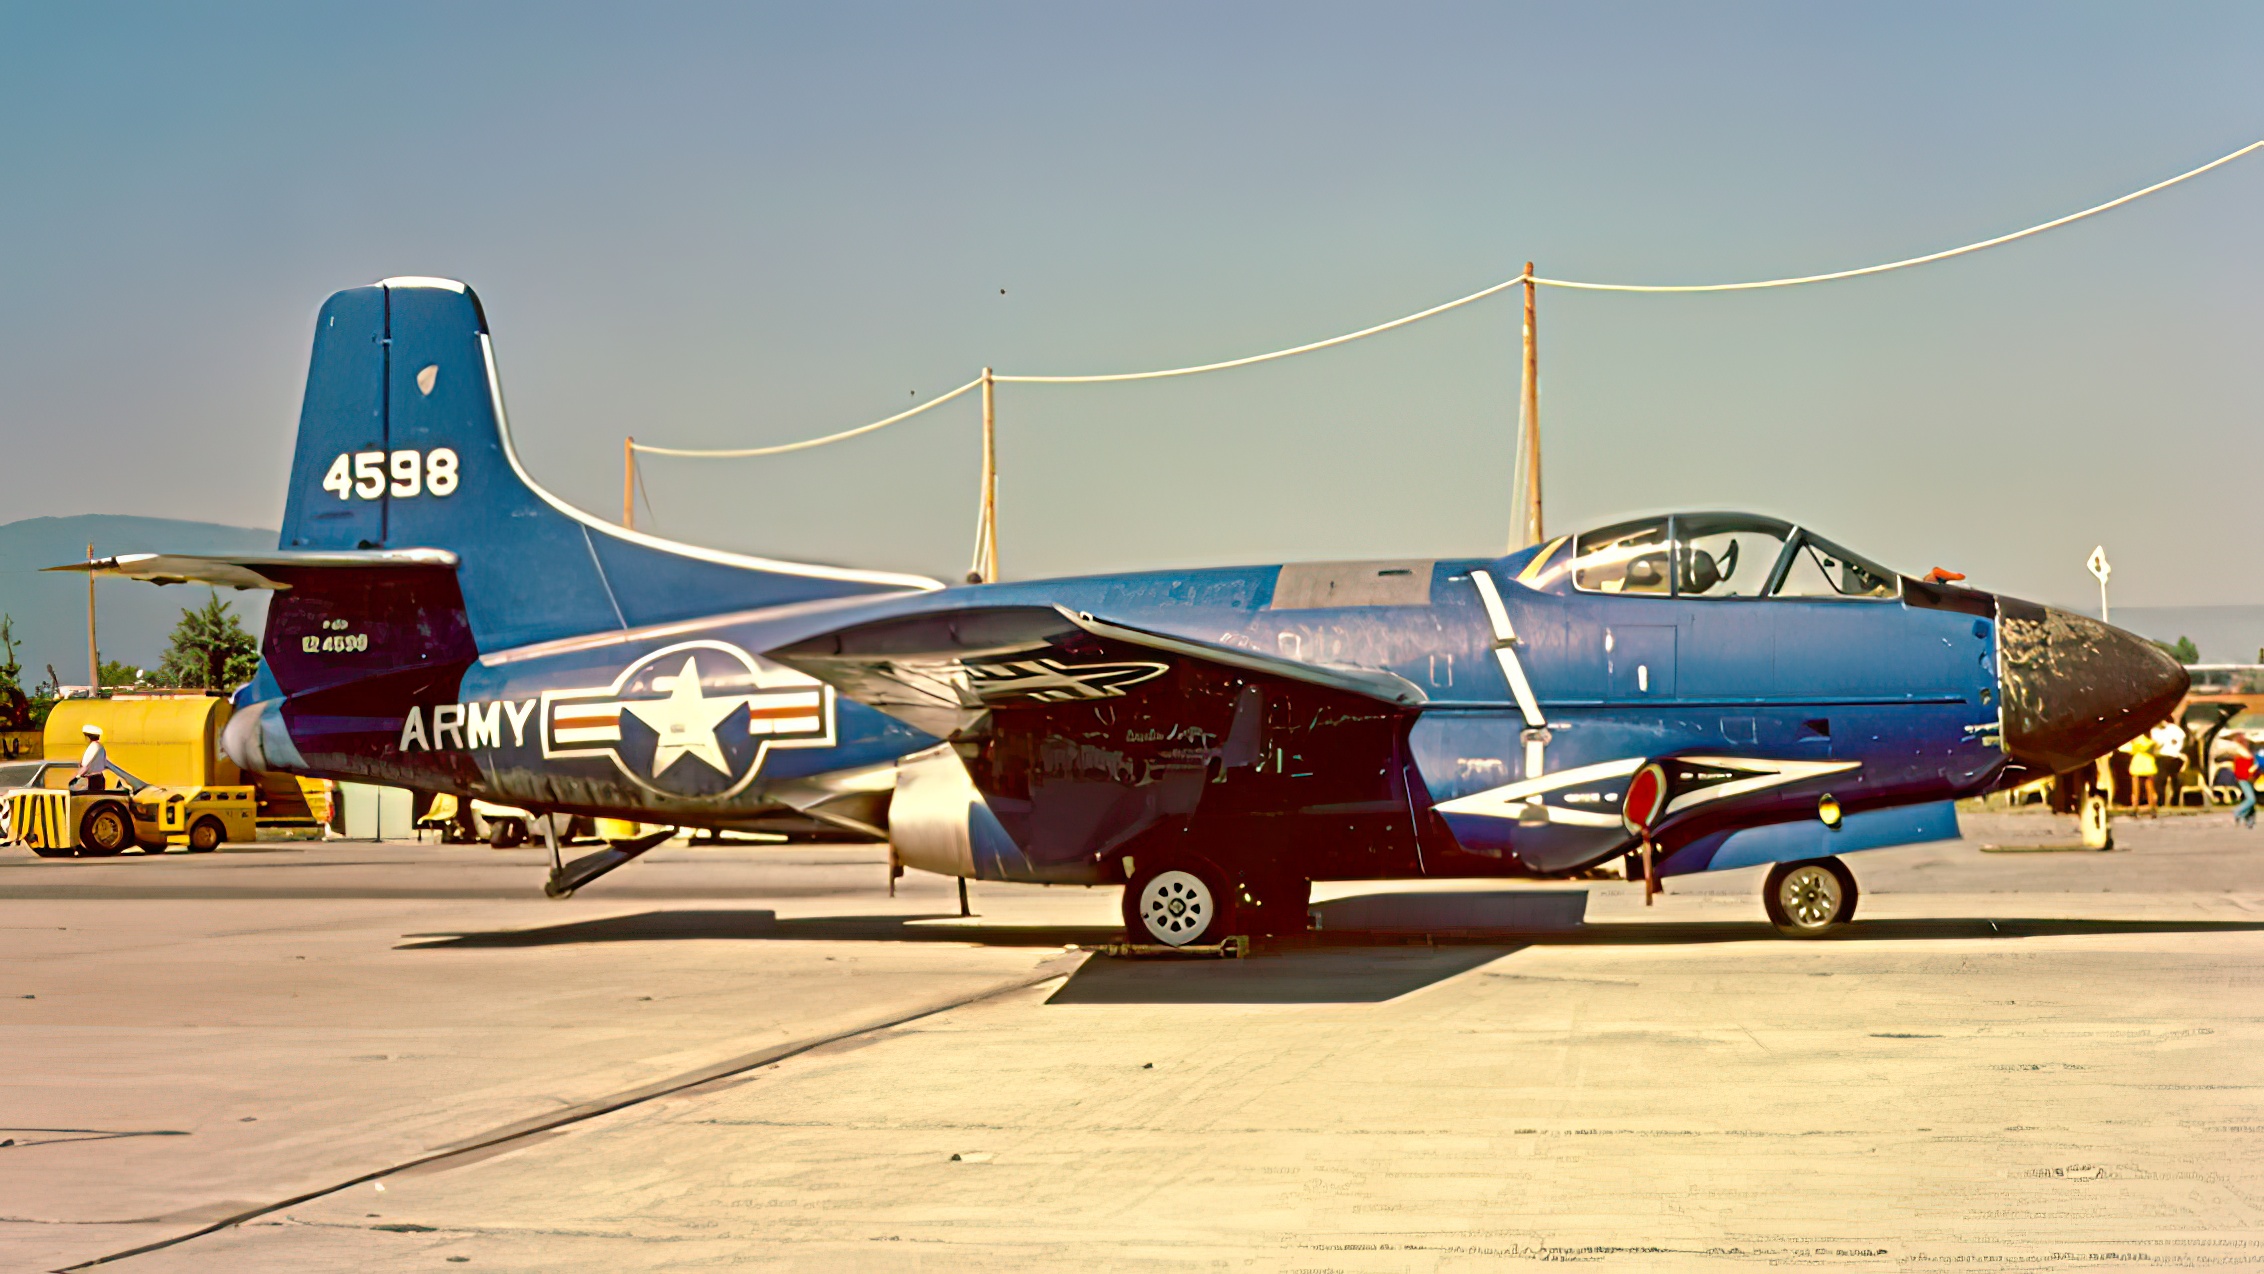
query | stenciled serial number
[400, 474]
[335, 643]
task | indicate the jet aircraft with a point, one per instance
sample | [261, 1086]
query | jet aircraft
[1688, 692]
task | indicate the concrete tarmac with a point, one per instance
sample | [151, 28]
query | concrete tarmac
[354, 1056]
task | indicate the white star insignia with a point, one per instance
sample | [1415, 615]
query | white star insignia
[685, 720]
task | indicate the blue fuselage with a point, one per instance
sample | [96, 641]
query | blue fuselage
[1903, 697]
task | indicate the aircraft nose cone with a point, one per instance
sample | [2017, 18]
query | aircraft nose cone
[2075, 688]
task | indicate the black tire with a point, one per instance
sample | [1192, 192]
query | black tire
[206, 834]
[105, 829]
[506, 833]
[1811, 898]
[1274, 907]
[1179, 903]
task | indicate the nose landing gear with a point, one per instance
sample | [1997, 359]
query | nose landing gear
[1811, 898]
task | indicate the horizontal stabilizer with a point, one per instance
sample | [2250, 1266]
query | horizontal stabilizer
[252, 570]
[943, 670]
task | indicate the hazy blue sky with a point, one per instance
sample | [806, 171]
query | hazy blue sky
[730, 226]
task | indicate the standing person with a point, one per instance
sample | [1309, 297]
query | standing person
[2169, 756]
[94, 764]
[2244, 777]
[2143, 795]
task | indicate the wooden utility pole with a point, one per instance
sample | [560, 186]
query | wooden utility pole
[93, 651]
[986, 524]
[1529, 427]
[629, 482]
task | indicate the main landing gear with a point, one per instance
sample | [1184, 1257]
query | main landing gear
[1186, 901]
[1809, 899]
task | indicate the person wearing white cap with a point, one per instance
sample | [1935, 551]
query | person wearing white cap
[94, 766]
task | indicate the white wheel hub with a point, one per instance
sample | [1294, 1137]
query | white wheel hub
[1810, 896]
[1175, 907]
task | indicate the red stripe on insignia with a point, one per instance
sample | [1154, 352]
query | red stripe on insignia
[588, 716]
[776, 714]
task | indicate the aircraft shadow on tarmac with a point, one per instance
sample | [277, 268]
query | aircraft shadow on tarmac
[1332, 966]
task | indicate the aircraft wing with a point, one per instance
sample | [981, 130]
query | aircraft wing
[251, 570]
[943, 671]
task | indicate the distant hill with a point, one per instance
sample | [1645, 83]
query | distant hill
[132, 619]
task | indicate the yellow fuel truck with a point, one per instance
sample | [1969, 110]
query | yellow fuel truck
[168, 782]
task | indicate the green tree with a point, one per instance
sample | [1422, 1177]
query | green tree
[2183, 650]
[117, 672]
[210, 649]
[15, 708]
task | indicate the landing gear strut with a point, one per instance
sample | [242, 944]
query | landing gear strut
[567, 877]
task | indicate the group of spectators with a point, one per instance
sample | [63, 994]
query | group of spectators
[2157, 758]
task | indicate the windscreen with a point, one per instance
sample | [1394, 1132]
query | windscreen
[1820, 568]
[1628, 558]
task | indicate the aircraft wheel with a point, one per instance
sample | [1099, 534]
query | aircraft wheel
[1178, 904]
[1809, 899]
[205, 835]
[506, 833]
[105, 830]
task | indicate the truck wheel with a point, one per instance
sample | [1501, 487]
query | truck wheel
[105, 830]
[1178, 904]
[1809, 899]
[205, 835]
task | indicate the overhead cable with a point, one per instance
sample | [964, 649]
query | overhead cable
[1505, 285]
[1263, 358]
[2053, 224]
[742, 453]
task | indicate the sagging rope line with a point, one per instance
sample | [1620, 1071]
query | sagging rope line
[1573, 284]
[2053, 224]
[742, 453]
[1279, 353]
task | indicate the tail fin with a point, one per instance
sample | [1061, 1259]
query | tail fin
[403, 444]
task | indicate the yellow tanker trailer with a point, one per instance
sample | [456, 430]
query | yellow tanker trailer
[168, 784]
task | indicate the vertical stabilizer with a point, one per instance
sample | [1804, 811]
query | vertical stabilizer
[403, 443]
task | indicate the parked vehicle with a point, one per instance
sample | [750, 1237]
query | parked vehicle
[39, 811]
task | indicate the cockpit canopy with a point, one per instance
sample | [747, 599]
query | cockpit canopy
[1710, 555]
